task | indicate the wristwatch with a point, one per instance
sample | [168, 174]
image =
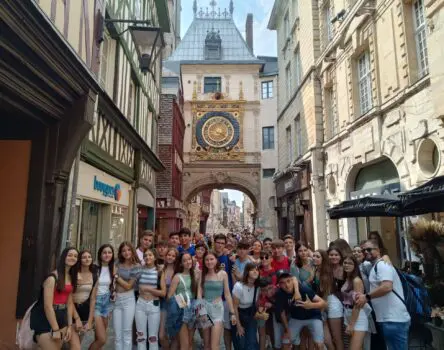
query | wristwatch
[368, 297]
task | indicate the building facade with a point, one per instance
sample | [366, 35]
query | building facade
[170, 212]
[383, 132]
[114, 176]
[49, 89]
[299, 179]
[221, 78]
[376, 74]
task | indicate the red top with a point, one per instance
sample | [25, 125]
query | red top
[61, 298]
[269, 273]
[284, 264]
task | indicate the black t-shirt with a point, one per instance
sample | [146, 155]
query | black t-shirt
[284, 302]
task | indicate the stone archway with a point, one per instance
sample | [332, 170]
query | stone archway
[246, 179]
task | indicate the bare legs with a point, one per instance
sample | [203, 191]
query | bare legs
[100, 339]
[336, 332]
[212, 336]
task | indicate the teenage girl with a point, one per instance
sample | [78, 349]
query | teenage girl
[152, 287]
[335, 309]
[255, 256]
[125, 304]
[103, 294]
[168, 271]
[83, 299]
[355, 318]
[323, 286]
[184, 284]
[214, 285]
[304, 264]
[51, 317]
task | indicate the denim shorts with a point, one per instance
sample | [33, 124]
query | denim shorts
[103, 305]
[215, 310]
[315, 326]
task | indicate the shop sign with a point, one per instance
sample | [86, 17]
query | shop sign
[386, 190]
[108, 190]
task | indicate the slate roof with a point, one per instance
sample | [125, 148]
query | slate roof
[191, 48]
[270, 67]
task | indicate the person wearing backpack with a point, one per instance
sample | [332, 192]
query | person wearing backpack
[387, 297]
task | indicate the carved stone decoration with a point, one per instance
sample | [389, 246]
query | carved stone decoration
[241, 90]
[194, 90]
[227, 84]
[220, 177]
[419, 131]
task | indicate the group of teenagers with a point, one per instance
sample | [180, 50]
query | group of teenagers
[255, 294]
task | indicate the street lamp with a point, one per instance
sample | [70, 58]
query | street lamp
[146, 38]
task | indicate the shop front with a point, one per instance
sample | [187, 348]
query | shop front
[377, 180]
[170, 216]
[294, 205]
[102, 212]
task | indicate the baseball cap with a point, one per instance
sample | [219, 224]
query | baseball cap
[282, 274]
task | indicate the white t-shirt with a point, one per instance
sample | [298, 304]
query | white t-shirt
[245, 295]
[104, 281]
[388, 308]
[140, 255]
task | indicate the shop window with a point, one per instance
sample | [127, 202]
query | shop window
[119, 218]
[90, 225]
[212, 84]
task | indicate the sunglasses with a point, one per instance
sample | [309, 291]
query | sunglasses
[264, 257]
[368, 250]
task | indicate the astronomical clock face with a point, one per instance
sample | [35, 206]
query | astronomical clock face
[217, 130]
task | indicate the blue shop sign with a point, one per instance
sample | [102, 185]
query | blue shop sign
[107, 190]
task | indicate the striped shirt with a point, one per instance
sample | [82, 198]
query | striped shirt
[148, 277]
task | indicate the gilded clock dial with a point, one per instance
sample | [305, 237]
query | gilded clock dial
[218, 131]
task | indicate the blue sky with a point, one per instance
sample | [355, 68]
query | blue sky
[264, 39]
[235, 195]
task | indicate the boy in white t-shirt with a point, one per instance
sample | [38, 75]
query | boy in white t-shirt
[391, 312]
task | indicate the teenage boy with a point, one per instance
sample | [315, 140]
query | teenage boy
[297, 314]
[266, 243]
[220, 241]
[185, 242]
[280, 261]
[386, 295]
[173, 240]
[145, 243]
[289, 247]
[161, 250]
[241, 260]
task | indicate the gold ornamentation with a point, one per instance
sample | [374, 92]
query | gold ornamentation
[194, 90]
[218, 132]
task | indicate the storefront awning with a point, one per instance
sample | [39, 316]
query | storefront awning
[367, 206]
[427, 198]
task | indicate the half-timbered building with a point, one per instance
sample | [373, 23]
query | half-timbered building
[115, 172]
[68, 83]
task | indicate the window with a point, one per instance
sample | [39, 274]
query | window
[331, 122]
[268, 137]
[131, 113]
[420, 37]
[365, 83]
[267, 89]
[295, 8]
[268, 172]
[104, 59]
[288, 80]
[289, 145]
[212, 84]
[137, 10]
[297, 67]
[298, 135]
[286, 26]
[327, 23]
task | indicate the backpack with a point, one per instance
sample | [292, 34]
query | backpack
[25, 335]
[416, 297]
